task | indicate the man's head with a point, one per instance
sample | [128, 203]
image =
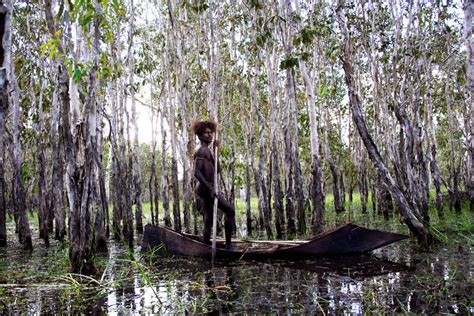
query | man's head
[204, 130]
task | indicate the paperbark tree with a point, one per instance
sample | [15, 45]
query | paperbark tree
[164, 173]
[270, 63]
[80, 254]
[136, 170]
[469, 40]
[290, 87]
[43, 220]
[416, 227]
[316, 194]
[57, 170]
[21, 217]
[4, 12]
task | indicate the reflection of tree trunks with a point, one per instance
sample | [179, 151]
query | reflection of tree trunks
[422, 233]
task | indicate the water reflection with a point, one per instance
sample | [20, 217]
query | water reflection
[398, 279]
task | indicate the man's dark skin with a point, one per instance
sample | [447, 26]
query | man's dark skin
[204, 173]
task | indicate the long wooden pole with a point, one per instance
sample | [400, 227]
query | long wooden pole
[214, 214]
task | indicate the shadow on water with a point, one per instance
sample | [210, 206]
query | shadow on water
[396, 279]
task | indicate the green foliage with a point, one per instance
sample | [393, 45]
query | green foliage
[289, 62]
[51, 47]
[263, 38]
[256, 4]
[305, 36]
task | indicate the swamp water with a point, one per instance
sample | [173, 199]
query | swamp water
[395, 279]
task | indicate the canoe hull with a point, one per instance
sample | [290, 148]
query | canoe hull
[345, 240]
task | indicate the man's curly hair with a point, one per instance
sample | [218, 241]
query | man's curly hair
[200, 126]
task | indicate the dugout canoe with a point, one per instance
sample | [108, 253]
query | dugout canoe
[348, 239]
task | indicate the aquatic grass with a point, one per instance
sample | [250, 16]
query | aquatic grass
[144, 273]
[437, 233]
[469, 239]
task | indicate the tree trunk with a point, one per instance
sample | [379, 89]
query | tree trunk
[431, 140]
[3, 112]
[316, 192]
[259, 172]
[416, 227]
[338, 204]
[270, 63]
[126, 167]
[174, 171]
[455, 198]
[20, 197]
[362, 171]
[152, 183]
[5, 15]
[76, 139]
[164, 174]
[57, 177]
[115, 163]
[102, 216]
[469, 40]
[43, 213]
[99, 200]
[136, 170]
[263, 196]
[246, 134]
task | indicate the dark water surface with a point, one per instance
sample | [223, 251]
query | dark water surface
[396, 279]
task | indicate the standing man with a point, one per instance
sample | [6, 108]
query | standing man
[204, 172]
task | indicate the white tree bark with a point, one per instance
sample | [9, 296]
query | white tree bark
[20, 198]
[469, 40]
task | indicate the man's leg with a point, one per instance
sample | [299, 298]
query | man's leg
[229, 218]
[207, 205]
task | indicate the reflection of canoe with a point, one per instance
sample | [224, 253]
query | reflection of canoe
[356, 266]
[344, 240]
